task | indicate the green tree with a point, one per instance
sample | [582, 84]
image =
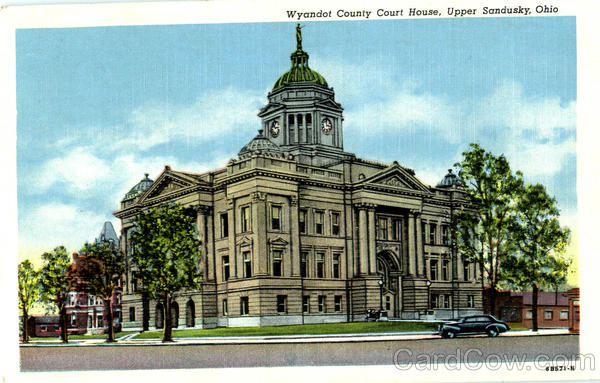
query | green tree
[99, 270]
[57, 278]
[541, 243]
[482, 230]
[166, 254]
[29, 292]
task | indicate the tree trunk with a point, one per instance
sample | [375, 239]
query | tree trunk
[492, 296]
[168, 331]
[109, 320]
[534, 306]
[63, 323]
[25, 335]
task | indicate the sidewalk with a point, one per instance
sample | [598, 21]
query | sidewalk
[127, 340]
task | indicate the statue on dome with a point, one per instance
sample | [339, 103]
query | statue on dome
[298, 37]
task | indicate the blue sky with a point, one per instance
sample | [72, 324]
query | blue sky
[99, 107]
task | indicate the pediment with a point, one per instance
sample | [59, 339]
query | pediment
[168, 182]
[329, 104]
[278, 242]
[397, 177]
[244, 241]
[270, 107]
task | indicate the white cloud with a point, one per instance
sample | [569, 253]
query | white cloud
[79, 169]
[56, 224]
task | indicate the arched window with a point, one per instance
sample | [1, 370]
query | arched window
[159, 316]
[190, 314]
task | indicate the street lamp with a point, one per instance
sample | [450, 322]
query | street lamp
[380, 282]
[428, 283]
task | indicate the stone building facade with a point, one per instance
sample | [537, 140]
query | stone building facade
[296, 230]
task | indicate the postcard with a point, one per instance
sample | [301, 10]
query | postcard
[340, 191]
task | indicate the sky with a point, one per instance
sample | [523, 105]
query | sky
[99, 107]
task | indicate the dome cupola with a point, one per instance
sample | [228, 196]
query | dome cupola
[138, 189]
[260, 145]
[449, 180]
[300, 71]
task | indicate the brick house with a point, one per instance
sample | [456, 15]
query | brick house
[42, 326]
[516, 306]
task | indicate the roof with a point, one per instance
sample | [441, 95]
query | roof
[260, 144]
[46, 319]
[450, 179]
[108, 234]
[139, 188]
[300, 71]
[545, 298]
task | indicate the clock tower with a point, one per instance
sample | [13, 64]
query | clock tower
[302, 116]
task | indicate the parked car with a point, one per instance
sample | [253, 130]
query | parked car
[376, 315]
[474, 324]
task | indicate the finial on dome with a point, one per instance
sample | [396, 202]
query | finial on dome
[298, 37]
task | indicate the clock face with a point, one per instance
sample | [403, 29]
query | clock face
[275, 129]
[326, 125]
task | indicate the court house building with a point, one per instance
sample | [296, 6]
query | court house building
[297, 230]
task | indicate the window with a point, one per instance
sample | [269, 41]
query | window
[528, 314]
[547, 314]
[302, 221]
[225, 311]
[306, 304]
[446, 270]
[224, 220]
[303, 265]
[335, 223]
[73, 319]
[247, 264]
[277, 263]
[445, 235]
[320, 265]
[43, 327]
[433, 265]
[281, 304]
[132, 314]
[435, 300]
[336, 266]
[564, 314]
[432, 228]
[56, 327]
[382, 228]
[134, 283]
[275, 217]
[467, 271]
[446, 301]
[470, 301]
[388, 303]
[396, 227]
[244, 308]
[225, 268]
[319, 222]
[245, 218]
[322, 307]
[423, 232]
[337, 303]
[99, 321]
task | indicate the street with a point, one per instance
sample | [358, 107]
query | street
[170, 356]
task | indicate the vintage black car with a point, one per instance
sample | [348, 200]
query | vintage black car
[475, 324]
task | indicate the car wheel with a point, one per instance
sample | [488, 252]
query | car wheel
[450, 334]
[492, 332]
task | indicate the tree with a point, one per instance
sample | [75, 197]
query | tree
[541, 243]
[57, 278]
[29, 291]
[482, 230]
[99, 270]
[166, 253]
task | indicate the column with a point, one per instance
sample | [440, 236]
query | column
[420, 257]
[362, 240]
[210, 252]
[231, 239]
[259, 228]
[201, 223]
[412, 261]
[372, 249]
[294, 237]
[460, 273]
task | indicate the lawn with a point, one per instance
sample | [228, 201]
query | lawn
[79, 337]
[313, 329]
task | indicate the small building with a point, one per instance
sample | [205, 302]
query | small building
[573, 299]
[86, 314]
[43, 326]
[517, 307]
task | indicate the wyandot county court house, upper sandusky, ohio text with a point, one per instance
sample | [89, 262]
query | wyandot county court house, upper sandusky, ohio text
[297, 230]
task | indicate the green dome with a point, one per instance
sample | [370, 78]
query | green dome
[300, 72]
